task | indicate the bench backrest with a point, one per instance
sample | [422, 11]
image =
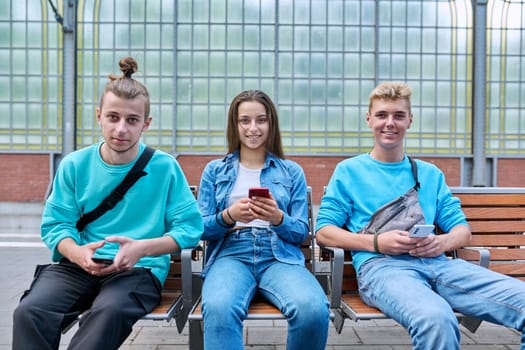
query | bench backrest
[497, 221]
[307, 247]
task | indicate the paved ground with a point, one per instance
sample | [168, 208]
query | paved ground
[20, 252]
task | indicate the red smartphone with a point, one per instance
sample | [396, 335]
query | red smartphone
[259, 192]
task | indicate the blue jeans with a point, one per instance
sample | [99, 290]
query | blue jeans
[244, 266]
[421, 294]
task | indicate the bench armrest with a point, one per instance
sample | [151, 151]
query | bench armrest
[186, 261]
[482, 256]
[337, 256]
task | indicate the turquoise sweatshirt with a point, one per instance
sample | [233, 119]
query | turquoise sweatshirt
[360, 185]
[158, 204]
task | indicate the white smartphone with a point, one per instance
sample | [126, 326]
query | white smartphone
[420, 231]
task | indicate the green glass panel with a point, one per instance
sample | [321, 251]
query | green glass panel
[301, 12]
[317, 92]
[335, 92]
[183, 37]
[183, 117]
[200, 63]
[335, 65]
[233, 88]
[318, 65]
[200, 36]
[286, 8]
[318, 38]
[200, 90]
[217, 63]
[235, 10]
[184, 63]
[217, 89]
[429, 66]
[267, 64]
[217, 37]
[285, 37]
[183, 90]
[251, 37]
[301, 65]
[234, 37]
[153, 36]
[285, 64]
[267, 11]
[234, 63]
[301, 38]
[301, 91]
[335, 38]
[184, 8]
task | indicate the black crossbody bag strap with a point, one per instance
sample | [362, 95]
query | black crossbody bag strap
[414, 172]
[118, 193]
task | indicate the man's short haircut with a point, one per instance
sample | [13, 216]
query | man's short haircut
[390, 90]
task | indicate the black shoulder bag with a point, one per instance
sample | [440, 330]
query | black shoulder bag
[118, 193]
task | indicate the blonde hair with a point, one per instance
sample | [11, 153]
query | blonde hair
[390, 90]
[124, 86]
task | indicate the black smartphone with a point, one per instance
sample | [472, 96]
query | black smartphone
[105, 261]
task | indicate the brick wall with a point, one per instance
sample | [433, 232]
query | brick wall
[317, 169]
[23, 177]
[510, 172]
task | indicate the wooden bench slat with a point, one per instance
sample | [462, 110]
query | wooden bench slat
[490, 225]
[484, 199]
[498, 254]
[355, 302]
[166, 302]
[482, 213]
[497, 240]
[510, 269]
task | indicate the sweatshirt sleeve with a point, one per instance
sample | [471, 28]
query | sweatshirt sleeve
[61, 211]
[184, 220]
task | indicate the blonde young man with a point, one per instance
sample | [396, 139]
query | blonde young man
[410, 279]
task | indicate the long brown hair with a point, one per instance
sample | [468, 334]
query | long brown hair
[125, 86]
[273, 143]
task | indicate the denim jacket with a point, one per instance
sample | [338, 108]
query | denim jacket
[286, 182]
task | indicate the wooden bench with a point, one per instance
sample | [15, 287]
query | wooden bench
[177, 293]
[497, 220]
[259, 309]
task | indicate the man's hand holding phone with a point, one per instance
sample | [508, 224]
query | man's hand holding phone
[420, 231]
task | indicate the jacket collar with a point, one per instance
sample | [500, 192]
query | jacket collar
[233, 159]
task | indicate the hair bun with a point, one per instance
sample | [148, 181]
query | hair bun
[128, 66]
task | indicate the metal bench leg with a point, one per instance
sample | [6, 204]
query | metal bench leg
[196, 335]
[470, 323]
[338, 321]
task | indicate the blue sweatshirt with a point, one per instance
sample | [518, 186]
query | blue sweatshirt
[360, 185]
[158, 204]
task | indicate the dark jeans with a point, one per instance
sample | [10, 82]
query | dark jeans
[60, 292]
